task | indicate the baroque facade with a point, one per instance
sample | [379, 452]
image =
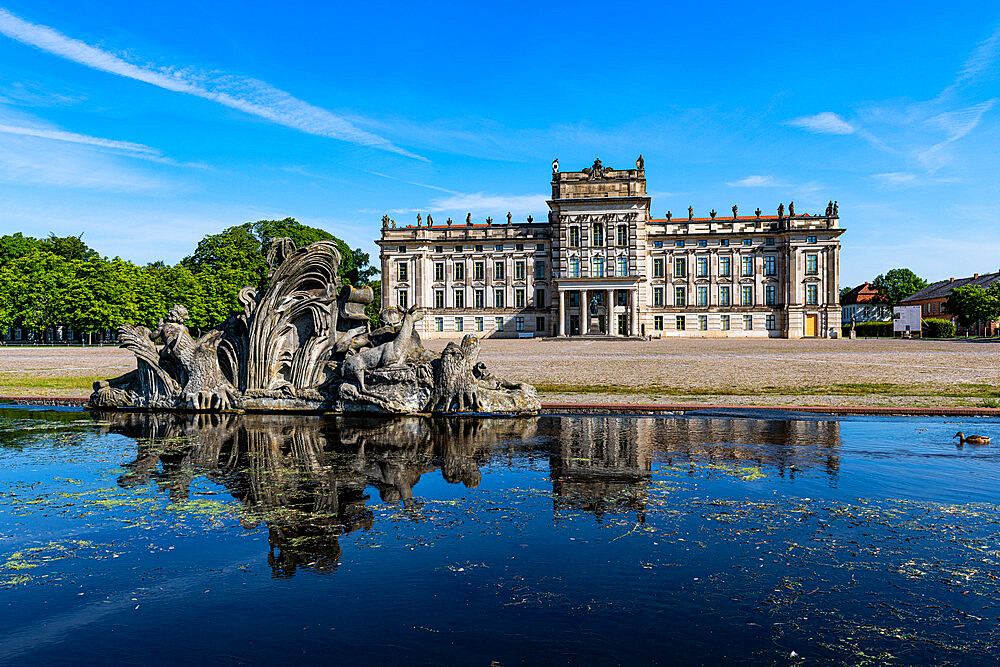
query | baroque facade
[600, 264]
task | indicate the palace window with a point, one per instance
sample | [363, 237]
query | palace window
[498, 298]
[812, 264]
[658, 268]
[747, 241]
[702, 267]
[598, 267]
[658, 322]
[769, 322]
[460, 298]
[574, 237]
[598, 235]
[769, 265]
[680, 296]
[519, 270]
[574, 299]
[479, 248]
[539, 247]
[439, 298]
[724, 243]
[680, 267]
[539, 324]
[725, 266]
[812, 294]
[703, 243]
[702, 295]
[768, 241]
[458, 248]
[459, 324]
[748, 295]
[519, 298]
[401, 248]
[623, 266]
[678, 244]
[724, 323]
[622, 235]
[574, 267]
[724, 295]
[657, 244]
[539, 298]
[401, 299]
[811, 240]
[498, 271]
[402, 271]
[479, 271]
[480, 297]
[748, 322]
[621, 297]
[519, 246]
[498, 247]
[748, 266]
[769, 295]
[679, 322]
[539, 270]
[479, 324]
[459, 270]
[703, 323]
[658, 297]
[519, 323]
[498, 323]
[439, 248]
[438, 270]
[438, 324]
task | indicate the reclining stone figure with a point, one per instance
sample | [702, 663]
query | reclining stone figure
[386, 355]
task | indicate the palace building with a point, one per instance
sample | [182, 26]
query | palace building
[601, 265]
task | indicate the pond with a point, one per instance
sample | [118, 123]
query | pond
[695, 539]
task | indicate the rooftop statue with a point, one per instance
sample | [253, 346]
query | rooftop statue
[304, 342]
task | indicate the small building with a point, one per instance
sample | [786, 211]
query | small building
[932, 298]
[864, 303]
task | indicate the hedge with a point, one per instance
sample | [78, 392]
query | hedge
[869, 330]
[935, 327]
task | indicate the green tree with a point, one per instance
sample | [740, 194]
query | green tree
[18, 245]
[33, 290]
[972, 303]
[898, 284]
[70, 247]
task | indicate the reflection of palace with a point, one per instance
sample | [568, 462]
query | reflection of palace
[306, 478]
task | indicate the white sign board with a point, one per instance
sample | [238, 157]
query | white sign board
[906, 318]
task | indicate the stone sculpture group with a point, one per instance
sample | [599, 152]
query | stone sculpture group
[304, 342]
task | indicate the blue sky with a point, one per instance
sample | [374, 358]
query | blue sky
[145, 126]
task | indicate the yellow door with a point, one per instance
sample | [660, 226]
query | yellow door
[812, 324]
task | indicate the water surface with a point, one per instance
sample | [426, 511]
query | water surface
[562, 540]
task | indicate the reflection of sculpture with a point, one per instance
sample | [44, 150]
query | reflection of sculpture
[304, 342]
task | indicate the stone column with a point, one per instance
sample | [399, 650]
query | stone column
[562, 312]
[634, 305]
[612, 329]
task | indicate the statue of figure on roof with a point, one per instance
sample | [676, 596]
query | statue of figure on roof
[758, 212]
[734, 211]
[430, 220]
[640, 164]
[468, 219]
[690, 212]
[529, 218]
[791, 209]
[597, 165]
[555, 166]
[418, 219]
[669, 214]
[712, 213]
[392, 223]
[489, 221]
[385, 220]
[829, 209]
[781, 210]
[835, 214]
[508, 217]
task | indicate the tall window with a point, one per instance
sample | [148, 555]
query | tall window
[702, 295]
[479, 271]
[459, 270]
[402, 271]
[622, 235]
[725, 297]
[598, 235]
[498, 298]
[519, 323]
[479, 324]
[598, 262]
[812, 294]
[574, 299]
[519, 270]
[574, 267]
[498, 271]
[680, 296]
[539, 323]
[703, 323]
[658, 267]
[812, 264]
[539, 298]
[658, 297]
[439, 298]
[725, 266]
[459, 324]
[748, 322]
[748, 266]
[679, 322]
[519, 298]
[539, 270]
[724, 323]
[769, 265]
[574, 237]
[680, 267]
[702, 267]
[401, 299]
[460, 298]
[621, 297]
[498, 323]
[769, 321]
[438, 324]
[658, 322]
[623, 266]
[438, 270]
[769, 295]
[480, 297]
[748, 295]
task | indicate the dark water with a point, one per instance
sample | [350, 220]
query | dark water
[580, 540]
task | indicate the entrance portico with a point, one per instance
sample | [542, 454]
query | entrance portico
[617, 306]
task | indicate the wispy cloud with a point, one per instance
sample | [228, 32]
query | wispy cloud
[955, 125]
[72, 137]
[244, 94]
[895, 178]
[826, 122]
[757, 181]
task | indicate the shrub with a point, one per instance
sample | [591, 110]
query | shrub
[935, 327]
[869, 329]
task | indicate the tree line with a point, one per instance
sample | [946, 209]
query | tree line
[60, 281]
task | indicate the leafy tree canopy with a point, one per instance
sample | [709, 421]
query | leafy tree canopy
[972, 303]
[898, 284]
